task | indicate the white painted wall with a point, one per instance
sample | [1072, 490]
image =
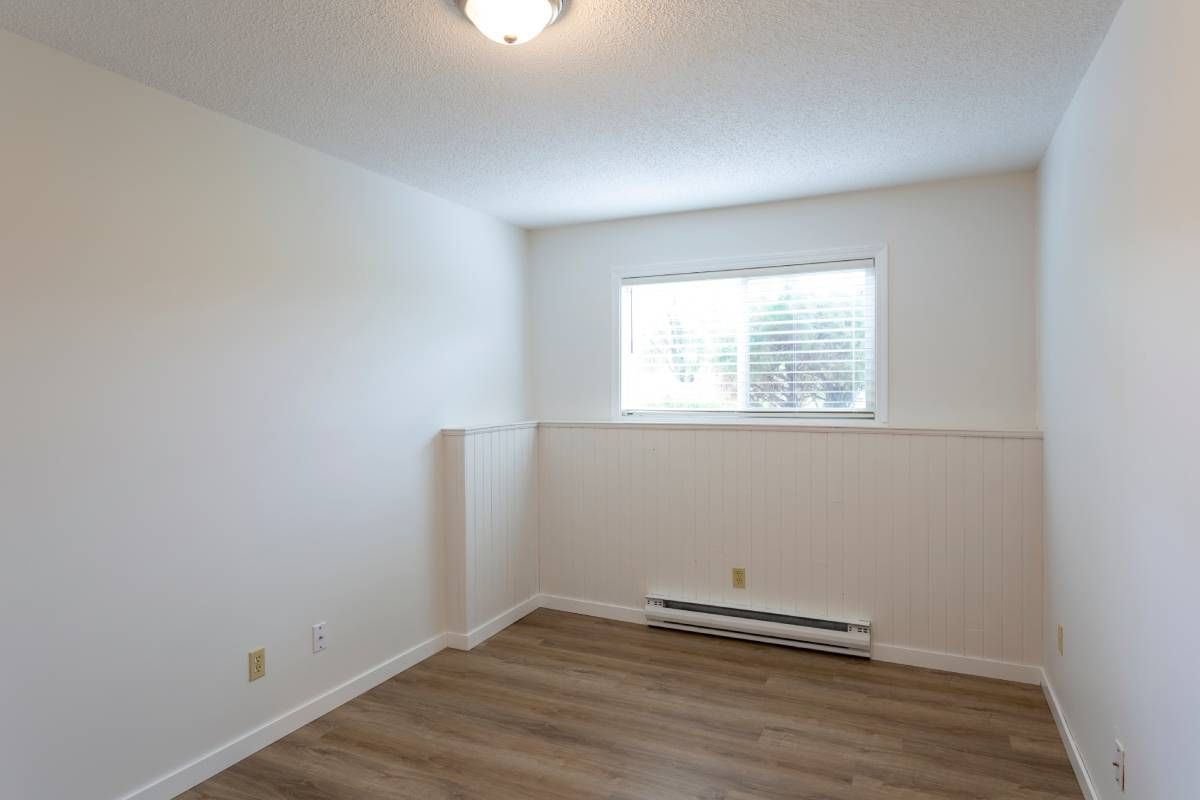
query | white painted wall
[226, 360]
[962, 257]
[1120, 361]
[937, 539]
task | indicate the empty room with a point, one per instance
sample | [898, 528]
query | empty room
[599, 399]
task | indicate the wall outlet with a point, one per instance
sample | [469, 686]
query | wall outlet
[258, 663]
[739, 577]
[1119, 763]
[1060, 640]
[318, 637]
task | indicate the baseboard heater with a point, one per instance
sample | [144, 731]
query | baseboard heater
[849, 637]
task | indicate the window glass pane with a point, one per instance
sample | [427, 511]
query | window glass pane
[751, 341]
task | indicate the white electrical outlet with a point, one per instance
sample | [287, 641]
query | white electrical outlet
[319, 641]
[1118, 764]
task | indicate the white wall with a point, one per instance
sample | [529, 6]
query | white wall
[226, 359]
[1120, 363]
[491, 528]
[962, 257]
[937, 539]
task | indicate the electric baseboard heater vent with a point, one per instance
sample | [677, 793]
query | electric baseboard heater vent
[849, 637]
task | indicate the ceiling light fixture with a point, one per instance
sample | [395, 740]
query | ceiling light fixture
[511, 21]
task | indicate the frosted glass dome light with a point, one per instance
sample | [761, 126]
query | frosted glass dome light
[511, 21]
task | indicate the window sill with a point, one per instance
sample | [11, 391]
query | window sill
[748, 420]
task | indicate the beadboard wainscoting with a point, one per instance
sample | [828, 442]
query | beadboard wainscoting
[491, 526]
[935, 537]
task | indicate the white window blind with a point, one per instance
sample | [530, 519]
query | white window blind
[795, 340]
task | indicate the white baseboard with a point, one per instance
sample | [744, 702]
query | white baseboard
[479, 635]
[966, 665]
[591, 608]
[228, 754]
[1064, 730]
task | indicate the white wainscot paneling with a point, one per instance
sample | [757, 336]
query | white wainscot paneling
[491, 529]
[934, 536]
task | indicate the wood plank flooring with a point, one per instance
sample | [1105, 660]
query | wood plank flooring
[566, 706]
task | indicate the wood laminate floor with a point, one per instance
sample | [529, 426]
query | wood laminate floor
[566, 706]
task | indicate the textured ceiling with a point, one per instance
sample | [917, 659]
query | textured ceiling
[623, 107]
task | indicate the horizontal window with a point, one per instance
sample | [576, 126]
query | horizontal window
[791, 341]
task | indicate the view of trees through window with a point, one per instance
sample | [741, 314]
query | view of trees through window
[800, 340]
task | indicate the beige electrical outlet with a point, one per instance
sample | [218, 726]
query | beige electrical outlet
[739, 577]
[1060, 640]
[258, 663]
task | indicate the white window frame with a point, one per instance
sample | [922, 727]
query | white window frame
[877, 253]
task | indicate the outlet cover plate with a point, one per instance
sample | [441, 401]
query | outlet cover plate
[258, 663]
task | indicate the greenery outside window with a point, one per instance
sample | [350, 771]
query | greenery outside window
[797, 340]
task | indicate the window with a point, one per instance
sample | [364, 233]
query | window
[796, 340]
